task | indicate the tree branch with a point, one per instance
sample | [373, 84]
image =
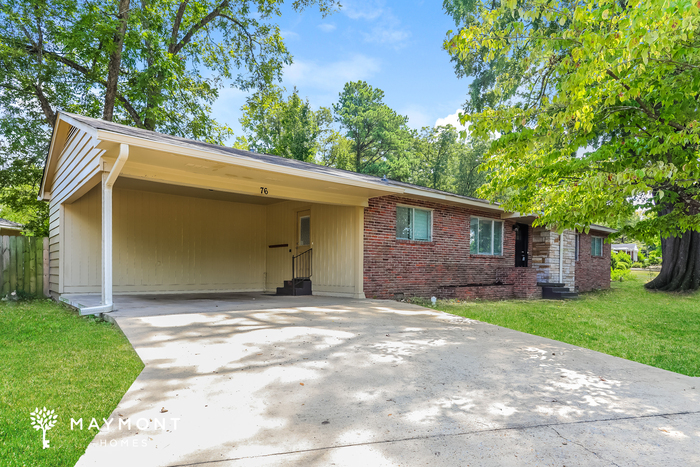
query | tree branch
[644, 107]
[176, 48]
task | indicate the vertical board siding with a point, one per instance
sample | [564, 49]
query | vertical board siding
[332, 235]
[332, 240]
[165, 242]
[22, 266]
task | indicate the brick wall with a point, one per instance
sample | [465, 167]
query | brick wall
[443, 267]
[592, 272]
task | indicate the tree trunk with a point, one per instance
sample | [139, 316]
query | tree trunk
[115, 61]
[680, 266]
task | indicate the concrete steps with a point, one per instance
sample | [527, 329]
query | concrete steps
[303, 287]
[556, 291]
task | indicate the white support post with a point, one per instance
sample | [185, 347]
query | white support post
[106, 241]
[108, 179]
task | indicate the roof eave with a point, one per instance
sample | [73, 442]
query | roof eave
[110, 136]
[452, 199]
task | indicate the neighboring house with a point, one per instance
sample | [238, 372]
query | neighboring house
[630, 248]
[134, 211]
[10, 229]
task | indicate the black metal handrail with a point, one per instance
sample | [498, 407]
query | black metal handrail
[302, 266]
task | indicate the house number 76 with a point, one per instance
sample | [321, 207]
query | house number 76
[263, 190]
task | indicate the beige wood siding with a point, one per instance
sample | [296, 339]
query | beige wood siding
[334, 235]
[77, 164]
[165, 242]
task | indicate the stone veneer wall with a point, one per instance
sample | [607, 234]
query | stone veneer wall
[545, 256]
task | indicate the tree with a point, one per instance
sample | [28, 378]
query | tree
[335, 151]
[436, 148]
[593, 111]
[288, 128]
[468, 168]
[379, 137]
[154, 64]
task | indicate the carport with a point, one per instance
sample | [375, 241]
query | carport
[137, 212]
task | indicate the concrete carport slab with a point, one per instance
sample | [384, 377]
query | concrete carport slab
[326, 381]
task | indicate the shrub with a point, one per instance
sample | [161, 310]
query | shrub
[620, 260]
[637, 265]
[620, 275]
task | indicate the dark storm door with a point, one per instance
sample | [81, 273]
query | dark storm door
[521, 242]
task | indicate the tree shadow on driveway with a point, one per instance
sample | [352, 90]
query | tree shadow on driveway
[381, 383]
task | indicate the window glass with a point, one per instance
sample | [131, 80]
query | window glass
[577, 247]
[597, 246]
[403, 222]
[305, 231]
[485, 236]
[497, 238]
[421, 227]
[473, 235]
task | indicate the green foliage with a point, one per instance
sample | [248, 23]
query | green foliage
[592, 108]
[620, 260]
[469, 171]
[287, 128]
[336, 151]
[620, 275]
[155, 64]
[637, 264]
[442, 160]
[380, 140]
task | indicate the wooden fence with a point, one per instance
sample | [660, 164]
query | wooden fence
[24, 266]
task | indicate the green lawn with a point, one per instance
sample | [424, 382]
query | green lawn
[654, 328]
[49, 356]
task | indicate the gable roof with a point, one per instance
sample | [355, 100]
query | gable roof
[5, 224]
[110, 131]
[104, 128]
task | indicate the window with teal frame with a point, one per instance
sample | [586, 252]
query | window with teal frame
[414, 223]
[485, 236]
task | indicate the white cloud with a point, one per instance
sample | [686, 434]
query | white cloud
[363, 9]
[330, 76]
[452, 119]
[387, 28]
[289, 35]
[385, 34]
[327, 27]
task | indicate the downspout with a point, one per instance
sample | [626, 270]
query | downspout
[108, 180]
[561, 258]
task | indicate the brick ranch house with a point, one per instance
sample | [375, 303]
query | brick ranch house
[135, 212]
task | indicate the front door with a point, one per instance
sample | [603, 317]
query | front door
[303, 231]
[521, 243]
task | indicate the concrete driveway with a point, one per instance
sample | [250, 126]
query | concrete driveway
[254, 380]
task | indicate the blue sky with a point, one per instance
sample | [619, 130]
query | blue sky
[393, 45]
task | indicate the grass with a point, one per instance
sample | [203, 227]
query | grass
[50, 357]
[655, 328]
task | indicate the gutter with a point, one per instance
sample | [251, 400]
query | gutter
[107, 186]
[561, 258]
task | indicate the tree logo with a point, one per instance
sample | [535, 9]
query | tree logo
[43, 420]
